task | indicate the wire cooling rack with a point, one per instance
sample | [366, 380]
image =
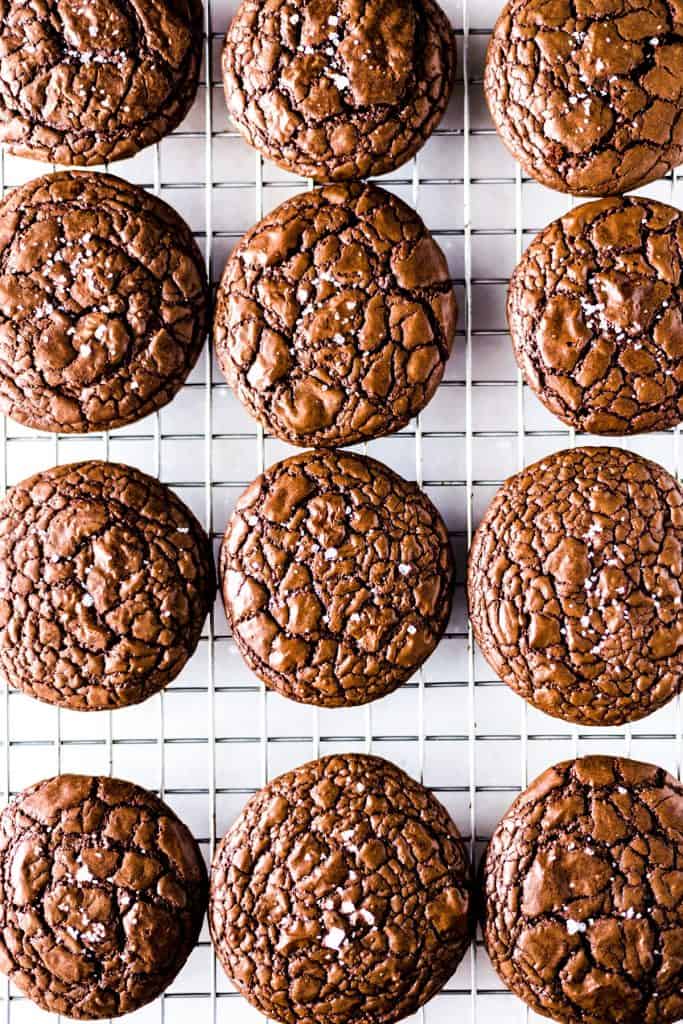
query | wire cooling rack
[215, 735]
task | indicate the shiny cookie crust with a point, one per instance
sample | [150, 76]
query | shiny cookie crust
[103, 895]
[574, 585]
[582, 877]
[335, 317]
[595, 309]
[338, 89]
[587, 96]
[106, 578]
[103, 303]
[87, 83]
[342, 892]
[337, 578]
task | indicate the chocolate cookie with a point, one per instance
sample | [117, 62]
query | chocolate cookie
[103, 895]
[335, 317]
[582, 916]
[334, 89]
[337, 578]
[574, 585]
[596, 316]
[103, 303]
[83, 83]
[106, 579]
[342, 892]
[588, 96]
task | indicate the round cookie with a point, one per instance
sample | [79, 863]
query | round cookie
[335, 317]
[587, 96]
[103, 303]
[596, 316]
[337, 578]
[342, 892]
[86, 83]
[103, 895]
[581, 894]
[335, 90]
[574, 585]
[106, 578]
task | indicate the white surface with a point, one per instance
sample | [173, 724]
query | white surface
[214, 735]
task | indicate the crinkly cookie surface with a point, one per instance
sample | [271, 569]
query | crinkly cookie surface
[106, 578]
[103, 895]
[84, 83]
[582, 891]
[335, 317]
[103, 303]
[574, 585]
[337, 578]
[342, 892]
[338, 89]
[596, 316]
[586, 95]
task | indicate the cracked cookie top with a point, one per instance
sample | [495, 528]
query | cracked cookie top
[337, 578]
[342, 892]
[85, 83]
[106, 579]
[103, 895]
[596, 316]
[335, 317]
[582, 890]
[103, 303]
[589, 96]
[338, 89]
[575, 583]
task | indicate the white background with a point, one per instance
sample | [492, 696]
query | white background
[214, 736]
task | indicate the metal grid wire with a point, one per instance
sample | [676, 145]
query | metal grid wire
[216, 735]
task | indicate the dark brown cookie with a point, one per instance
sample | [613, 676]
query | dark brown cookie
[596, 316]
[103, 895]
[336, 89]
[337, 578]
[103, 303]
[335, 317]
[583, 877]
[574, 585]
[341, 893]
[106, 579]
[83, 83]
[588, 96]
